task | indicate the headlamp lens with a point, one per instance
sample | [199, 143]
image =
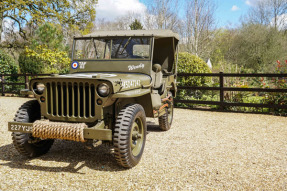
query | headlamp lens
[103, 90]
[40, 87]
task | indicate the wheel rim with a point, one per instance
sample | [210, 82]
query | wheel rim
[137, 137]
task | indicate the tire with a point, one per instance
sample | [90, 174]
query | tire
[130, 135]
[165, 120]
[24, 143]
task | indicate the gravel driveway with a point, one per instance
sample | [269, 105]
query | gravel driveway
[203, 150]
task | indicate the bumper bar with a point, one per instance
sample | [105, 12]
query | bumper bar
[97, 132]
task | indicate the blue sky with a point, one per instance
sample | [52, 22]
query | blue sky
[230, 11]
[227, 15]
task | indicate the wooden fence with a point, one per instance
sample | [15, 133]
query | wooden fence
[222, 89]
[22, 81]
[222, 103]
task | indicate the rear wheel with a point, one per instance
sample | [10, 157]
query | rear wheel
[165, 120]
[24, 143]
[130, 135]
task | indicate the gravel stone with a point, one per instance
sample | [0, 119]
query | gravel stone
[202, 151]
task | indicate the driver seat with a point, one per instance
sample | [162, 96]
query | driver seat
[157, 77]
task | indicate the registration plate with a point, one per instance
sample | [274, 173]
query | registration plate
[20, 127]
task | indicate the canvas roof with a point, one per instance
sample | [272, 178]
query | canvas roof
[155, 33]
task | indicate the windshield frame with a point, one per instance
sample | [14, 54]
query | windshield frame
[150, 39]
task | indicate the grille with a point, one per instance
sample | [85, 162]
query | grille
[71, 99]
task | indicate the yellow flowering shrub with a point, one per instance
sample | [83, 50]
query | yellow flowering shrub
[44, 60]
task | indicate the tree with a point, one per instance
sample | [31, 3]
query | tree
[76, 14]
[136, 25]
[162, 15]
[8, 66]
[222, 55]
[47, 53]
[44, 60]
[257, 47]
[199, 26]
[120, 23]
[269, 12]
[49, 35]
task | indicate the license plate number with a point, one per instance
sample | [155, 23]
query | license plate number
[24, 128]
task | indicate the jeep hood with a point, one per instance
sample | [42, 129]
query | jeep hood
[120, 81]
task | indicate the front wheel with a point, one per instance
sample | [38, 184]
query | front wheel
[24, 143]
[130, 135]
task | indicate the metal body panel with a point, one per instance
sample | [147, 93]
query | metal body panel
[126, 66]
[98, 134]
[120, 81]
[26, 92]
[131, 93]
[72, 97]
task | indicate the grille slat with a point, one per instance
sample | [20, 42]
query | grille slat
[67, 101]
[51, 98]
[57, 100]
[79, 101]
[62, 99]
[84, 100]
[74, 100]
[90, 95]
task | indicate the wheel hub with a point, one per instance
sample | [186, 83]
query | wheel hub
[136, 137]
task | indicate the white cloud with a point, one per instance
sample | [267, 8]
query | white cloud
[111, 9]
[8, 25]
[281, 21]
[235, 8]
[248, 3]
[252, 2]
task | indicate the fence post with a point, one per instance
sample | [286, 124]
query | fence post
[221, 81]
[3, 85]
[26, 81]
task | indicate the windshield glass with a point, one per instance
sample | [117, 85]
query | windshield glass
[116, 48]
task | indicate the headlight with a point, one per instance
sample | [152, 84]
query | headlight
[39, 88]
[103, 90]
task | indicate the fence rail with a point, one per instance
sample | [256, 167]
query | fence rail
[222, 102]
[222, 88]
[24, 83]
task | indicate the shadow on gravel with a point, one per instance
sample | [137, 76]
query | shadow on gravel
[75, 154]
[152, 127]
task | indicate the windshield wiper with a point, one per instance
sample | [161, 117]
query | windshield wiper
[126, 45]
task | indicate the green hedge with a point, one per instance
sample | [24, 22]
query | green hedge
[188, 63]
[30, 65]
[7, 64]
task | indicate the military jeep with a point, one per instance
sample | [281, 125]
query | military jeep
[116, 80]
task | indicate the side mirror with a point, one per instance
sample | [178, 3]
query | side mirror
[156, 68]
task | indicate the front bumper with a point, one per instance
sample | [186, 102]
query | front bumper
[97, 132]
[26, 92]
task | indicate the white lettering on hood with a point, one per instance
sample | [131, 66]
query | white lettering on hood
[133, 67]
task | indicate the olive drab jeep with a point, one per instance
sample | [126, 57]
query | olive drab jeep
[116, 80]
